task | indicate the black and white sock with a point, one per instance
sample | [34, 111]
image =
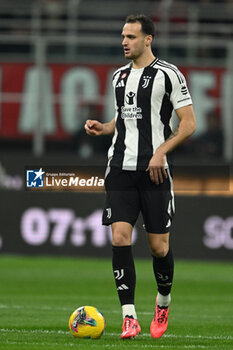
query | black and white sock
[124, 273]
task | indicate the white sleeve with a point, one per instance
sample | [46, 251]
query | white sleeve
[180, 95]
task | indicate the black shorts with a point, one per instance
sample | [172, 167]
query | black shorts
[129, 192]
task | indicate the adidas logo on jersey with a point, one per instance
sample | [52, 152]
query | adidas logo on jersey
[184, 90]
[121, 84]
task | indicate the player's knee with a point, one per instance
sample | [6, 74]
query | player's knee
[159, 251]
[121, 238]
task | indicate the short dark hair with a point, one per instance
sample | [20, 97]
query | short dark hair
[146, 23]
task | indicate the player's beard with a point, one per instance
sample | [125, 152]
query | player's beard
[131, 56]
[134, 55]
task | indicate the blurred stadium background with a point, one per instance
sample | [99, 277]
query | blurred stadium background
[56, 62]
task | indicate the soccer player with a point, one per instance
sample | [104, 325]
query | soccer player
[139, 173]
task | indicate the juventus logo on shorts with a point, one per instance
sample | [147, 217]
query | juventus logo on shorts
[146, 80]
[109, 213]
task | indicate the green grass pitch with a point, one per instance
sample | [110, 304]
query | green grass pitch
[37, 296]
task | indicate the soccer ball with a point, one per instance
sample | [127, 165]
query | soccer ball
[87, 322]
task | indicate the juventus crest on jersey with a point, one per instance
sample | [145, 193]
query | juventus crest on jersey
[144, 101]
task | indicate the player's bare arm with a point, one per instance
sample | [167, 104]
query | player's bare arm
[186, 128]
[96, 128]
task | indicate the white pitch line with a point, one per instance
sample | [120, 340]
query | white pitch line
[18, 307]
[44, 331]
[40, 344]
[118, 312]
[33, 331]
[158, 346]
[187, 336]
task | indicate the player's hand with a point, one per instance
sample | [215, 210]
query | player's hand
[156, 168]
[94, 128]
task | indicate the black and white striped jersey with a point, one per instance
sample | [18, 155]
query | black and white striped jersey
[144, 101]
